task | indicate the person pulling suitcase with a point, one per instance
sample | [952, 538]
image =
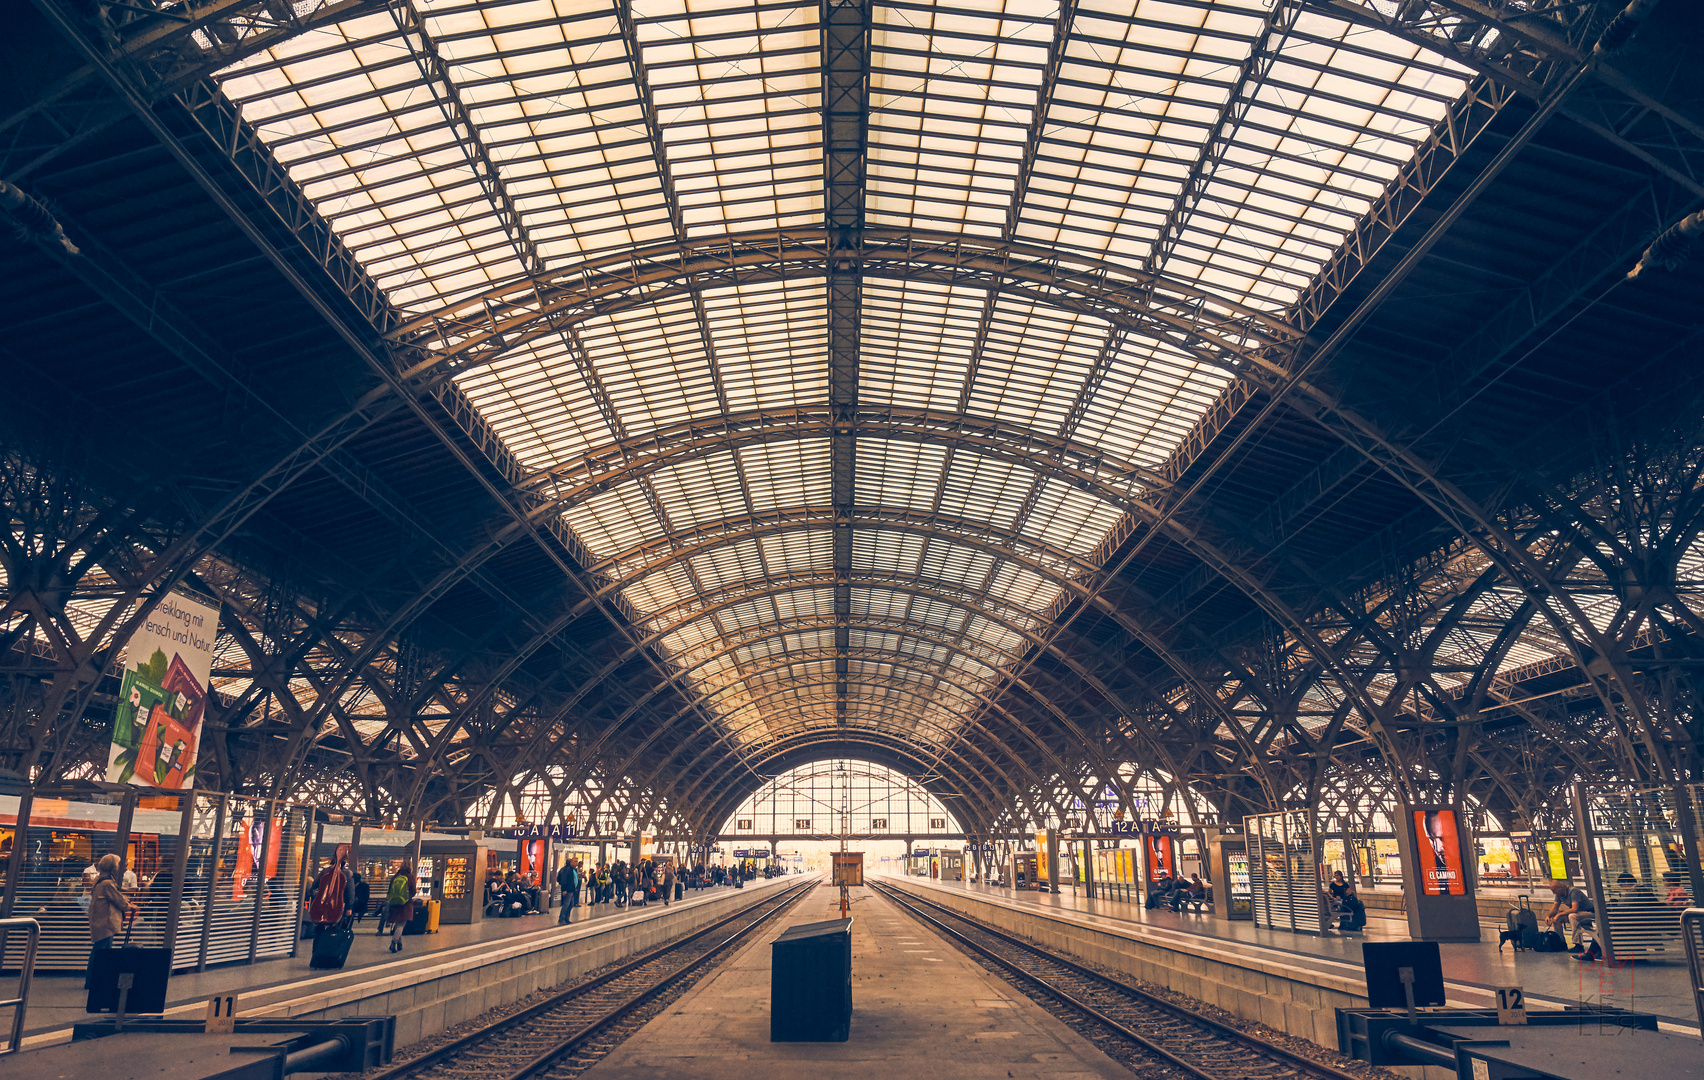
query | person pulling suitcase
[331, 908]
[109, 911]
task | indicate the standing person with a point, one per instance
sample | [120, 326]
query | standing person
[109, 911]
[668, 883]
[618, 875]
[363, 896]
[400, 898]
[568, 878]
[331, 897]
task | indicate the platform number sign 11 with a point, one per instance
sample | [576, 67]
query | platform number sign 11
[1511, 1005]
[221, 1015]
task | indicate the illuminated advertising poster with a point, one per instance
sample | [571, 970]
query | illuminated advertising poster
[1557, 859]
[1041, 856]
[1438, 852]
[157, 725]
[1160, 857]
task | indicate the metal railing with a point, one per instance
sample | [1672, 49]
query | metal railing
[26, 971]
[1692, 929]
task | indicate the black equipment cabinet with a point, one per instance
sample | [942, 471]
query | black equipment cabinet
[151, 970]
[810, 983]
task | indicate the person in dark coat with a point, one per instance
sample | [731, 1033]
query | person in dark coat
[568, 878]
[363, 896]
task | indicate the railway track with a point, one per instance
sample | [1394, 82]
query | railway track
[566, 1033]
[1111, 1012]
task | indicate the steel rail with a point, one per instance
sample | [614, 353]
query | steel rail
[505, 1024]
[914, 906]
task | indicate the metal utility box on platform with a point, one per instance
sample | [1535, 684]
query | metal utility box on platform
[848, 868]
[810, 983]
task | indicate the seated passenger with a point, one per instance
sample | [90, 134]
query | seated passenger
[1160, 890]
[1187, 892]
[1574, 910]
[1345, 904]
[512, 896]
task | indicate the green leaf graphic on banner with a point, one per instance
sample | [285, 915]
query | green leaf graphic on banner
[157, 665]
[127, 758]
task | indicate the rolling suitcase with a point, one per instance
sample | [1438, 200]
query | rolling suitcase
[151, 970]
[434, 910]
[1522, 926]
[680, 890]
[331, 946]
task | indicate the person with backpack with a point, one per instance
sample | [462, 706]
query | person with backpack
[332, 897]
[568, 878]
[400, 898]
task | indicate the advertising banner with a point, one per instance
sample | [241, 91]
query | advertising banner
[157, 727]
[1161, 857]
[1438, 853]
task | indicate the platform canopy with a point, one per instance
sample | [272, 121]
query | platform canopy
[1026, 395]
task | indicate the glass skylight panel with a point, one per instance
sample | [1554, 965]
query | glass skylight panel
[957, 564]
[787, 474]
[574, 118]
[1139, 90]
[771, 342]
[700, 490]
[1338, 121]
[651, 364]
[985, 489]
[916, 342]
[737, 93]
[799, 552]
[952, 92]
[614, 520]
[1148, 401]
[728, 565]
[898, 475]
[882, 551]
[1034, 363]
[660, 589]
[1069, 519]
[540, 403]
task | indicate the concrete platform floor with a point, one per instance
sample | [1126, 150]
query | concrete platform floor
[1471, 970]
[57, 1000]
[919, 1007]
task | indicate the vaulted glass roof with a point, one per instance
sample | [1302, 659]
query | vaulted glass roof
[463, 149]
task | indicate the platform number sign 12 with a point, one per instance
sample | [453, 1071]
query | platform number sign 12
[1511, 1005]
[221, 1015]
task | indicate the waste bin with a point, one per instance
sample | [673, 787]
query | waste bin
[810, 983]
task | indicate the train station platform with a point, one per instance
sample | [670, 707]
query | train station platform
[1295, 982]
[919, 1006]
[438, 980]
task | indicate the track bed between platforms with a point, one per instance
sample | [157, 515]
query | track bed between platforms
[1151, 1034]
[568, 1030]
[919, 1008]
